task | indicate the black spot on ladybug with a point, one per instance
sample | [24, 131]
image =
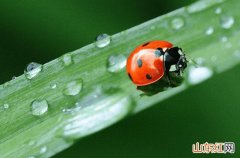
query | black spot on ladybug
[149, 77]
[158, 52]
[129, 76]
[145, 44]
[139, 62]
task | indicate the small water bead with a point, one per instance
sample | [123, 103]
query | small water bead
[229, 45]
[199, 74]
[226, 22]
[103, 40]
[67, 59]
[67, 110]
[73, 88]
[43, 150]
[39, 107]
[31, 143]
[5, 106]
[218, 10]
[14, 77]
[116, 63]
[213, 58]
[209, 31]
[72, 110]
[53, 86]
[78, 104]
[237, 54]
[152, 27]
[32, 70]
[224, 39]
[177, 23]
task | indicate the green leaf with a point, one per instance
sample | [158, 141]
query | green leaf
[87, 90]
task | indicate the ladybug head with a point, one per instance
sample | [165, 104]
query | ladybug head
[175, 60]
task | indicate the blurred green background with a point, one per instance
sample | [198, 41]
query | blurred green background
[43, 30]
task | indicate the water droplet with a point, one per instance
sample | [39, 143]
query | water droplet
[43, 150]
[53, 86]
[177, 23]
[77, 103]
[103, 40]
[224, 39]
[31, 143]
[209, 31]
[116, 63]
[32, 70]
[229, 45]
[199, 74]
[152, 27]
[218, 10]
[14, 77]
[237, 54]
[5, 106]
[73, 87]
[39, 107]
[67, 59]
[226, 22]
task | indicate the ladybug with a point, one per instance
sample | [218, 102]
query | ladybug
[154, 61]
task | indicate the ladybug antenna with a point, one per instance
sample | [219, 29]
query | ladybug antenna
[191, 59]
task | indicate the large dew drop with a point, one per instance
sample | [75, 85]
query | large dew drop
[73, 88]
[39, 107]
[177, 23]
[103, 40]
[199, 74]
[116, 63]
[32, 70]
[226, 22]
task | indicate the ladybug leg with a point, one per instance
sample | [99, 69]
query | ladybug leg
[167, 68]
[169, 80]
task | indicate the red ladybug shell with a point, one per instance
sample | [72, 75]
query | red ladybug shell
[145, 64]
